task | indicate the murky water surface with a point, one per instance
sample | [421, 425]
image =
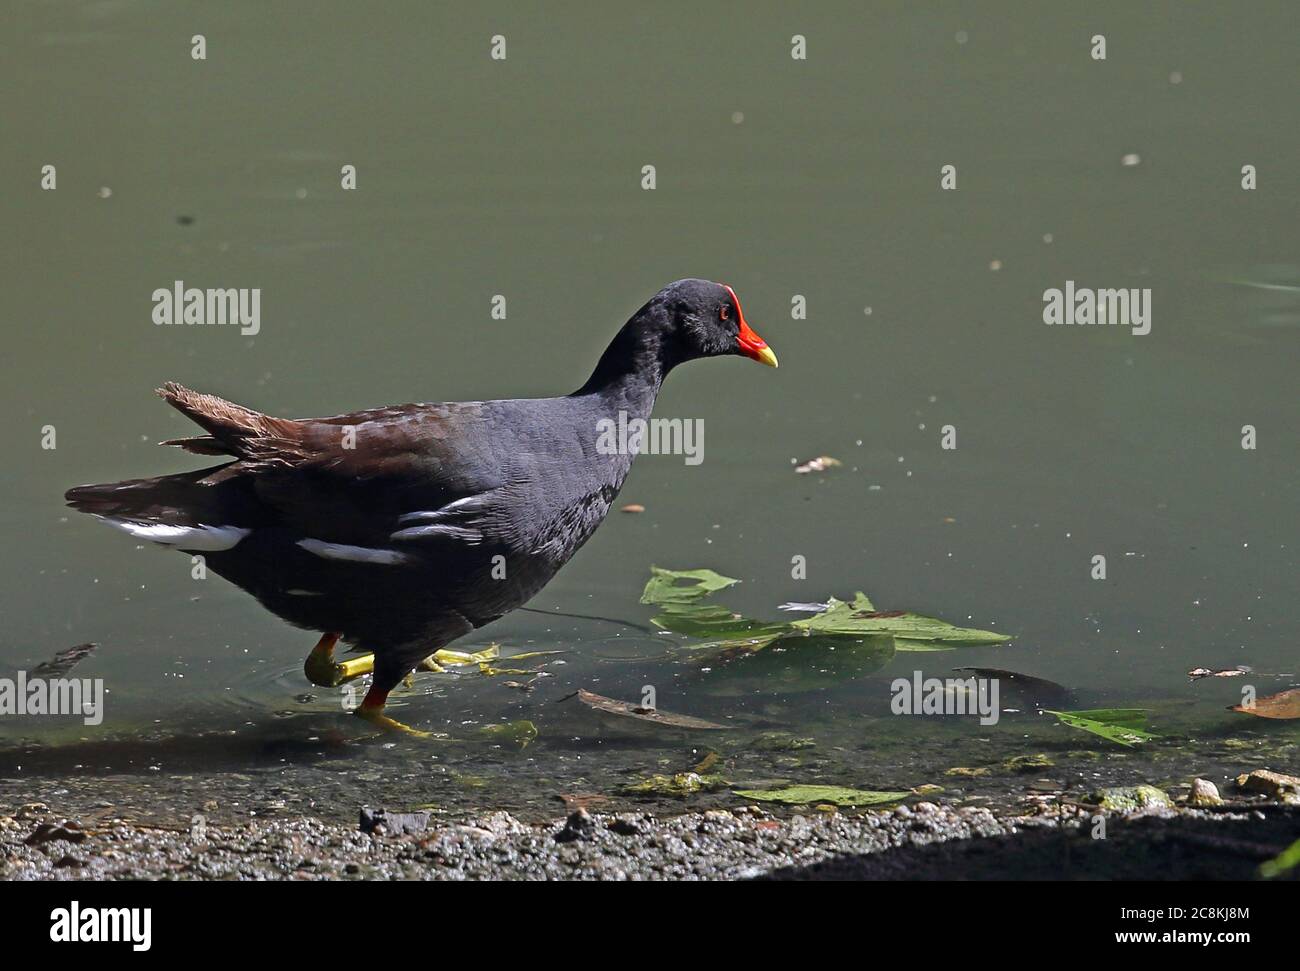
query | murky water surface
[819, 178]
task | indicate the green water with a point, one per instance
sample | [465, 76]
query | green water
[781, 177]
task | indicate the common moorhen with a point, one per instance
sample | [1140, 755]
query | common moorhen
[401, 529]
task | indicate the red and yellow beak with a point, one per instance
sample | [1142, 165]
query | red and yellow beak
[751, 345]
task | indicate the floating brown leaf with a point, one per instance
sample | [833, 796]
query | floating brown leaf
[1284, 704]
[651, 716]
[1197, 673]
[820, 464]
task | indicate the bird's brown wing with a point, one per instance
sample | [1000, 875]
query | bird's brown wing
[351, 477]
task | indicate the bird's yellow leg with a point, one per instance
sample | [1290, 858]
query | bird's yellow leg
[372, 710]
[321, 668]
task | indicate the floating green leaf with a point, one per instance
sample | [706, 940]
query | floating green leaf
[682, 586]
[911, 631]
[1127, 726]
[838, 795]
[733, 633]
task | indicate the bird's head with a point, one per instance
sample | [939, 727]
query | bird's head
[699, 318]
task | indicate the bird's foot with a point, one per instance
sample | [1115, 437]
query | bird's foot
[321, 668]
[372, 710]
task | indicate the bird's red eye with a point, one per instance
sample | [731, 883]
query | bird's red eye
[724, 312]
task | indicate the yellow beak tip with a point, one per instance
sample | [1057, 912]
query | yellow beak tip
[767, 356]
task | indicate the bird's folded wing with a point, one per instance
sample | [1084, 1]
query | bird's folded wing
[401, 475]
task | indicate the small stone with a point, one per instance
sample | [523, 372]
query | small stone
[1273, 784]
[1204, 793]
[48, 832]
[383, 821]
[579, 826]
[625, 826]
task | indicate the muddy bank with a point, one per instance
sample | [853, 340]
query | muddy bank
[921, 841]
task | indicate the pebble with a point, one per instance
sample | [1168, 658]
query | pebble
[1204, 793]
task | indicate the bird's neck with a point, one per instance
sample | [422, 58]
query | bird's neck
[630, 372]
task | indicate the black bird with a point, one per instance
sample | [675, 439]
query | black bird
[400, 529]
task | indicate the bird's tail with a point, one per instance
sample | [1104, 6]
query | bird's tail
[210, 509]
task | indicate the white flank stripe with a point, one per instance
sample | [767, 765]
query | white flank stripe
[354, 554]
[209, 538]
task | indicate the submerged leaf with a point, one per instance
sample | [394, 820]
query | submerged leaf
[711, 758]
[1127, 726]
[650, 716]
[519, 732]
[64, 661]
[1038, 690]
[1284, 704]
[838, 795]
[681, 784]
[781, 742]
[682, 586]
[1121, 798]
[713, 622]
[1027, 763]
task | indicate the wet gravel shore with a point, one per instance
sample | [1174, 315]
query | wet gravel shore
[920, 841]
